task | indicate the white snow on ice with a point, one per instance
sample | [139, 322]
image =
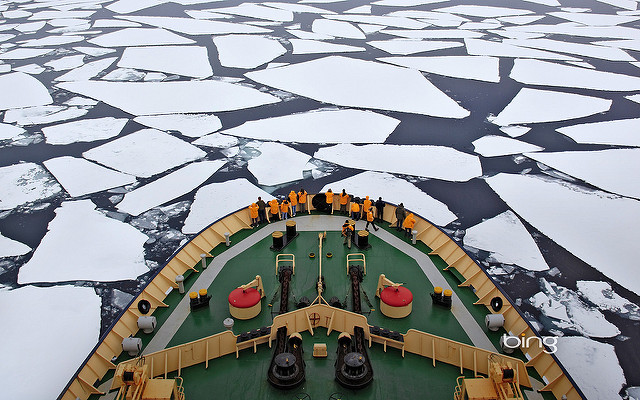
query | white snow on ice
[483, 11]
[39, 115]
[600, 168]
[601, 295]
[190, 61]
[340, 29]
[305, 46]
[411, 46]
[594, 19]
[533, 105]
[83, 244]
[395, 190]
[58, 308]
[384, 20]
[25, 183]
[192, 26]
[428, 161]
[493, 145]
[87, 71]
[229, 196]
[216, 140]
[79, 176]
[66, 63]
[86, 130]
[433, 34]
[558, 210]
[144, 153]
[479, 47]
[168, 187]
[192, 125]
[479, 68]
[247, 51]
[578, 49]
[320, 126]
[8, 132]
[277, 164]
[508, 241]
[139, 37]
[258, 11]
[26, 91]
[623, 132]
[515, 131]
[350, 82]
[11, 248]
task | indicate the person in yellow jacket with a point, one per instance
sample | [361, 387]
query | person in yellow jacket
[355, 211]
[302, 200]
[367, 204]
[329, 195]
[284, 207]
[293, 201]
[347, 232]
[344, 200]
[274, 210]
[253, 213]
[408, 224]
[370, 219]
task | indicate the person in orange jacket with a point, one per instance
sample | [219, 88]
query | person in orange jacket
[284, 207]
[355, 211]
[253, 213]
[347, 232]
[408, 224]
[293, 201]
[344, 200]
[329, 195]
[367, 204]
[370, 220]
[302, 200]
[274, 210]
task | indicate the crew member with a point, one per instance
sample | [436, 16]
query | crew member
[400, 214]
[274, 210]
[262, 210]
[302, 200]
[329, 195]
[367, 204]
[380, 209]
[347, 232]
[370, 219]
[408, 224]
[253, 213]
[284, 207]
[355, 210]
[344, 200]
[293, 201]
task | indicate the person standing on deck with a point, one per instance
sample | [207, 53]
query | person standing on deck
[329, 195]
[408, 224]
[380, 209]
[344, 200]
[284, 207]
[367, 204]
[275, 209]
[293, 200]
[302, 200]
[355, 211]
[253, 213]
[347, 232]
[262, 210]
[370, 220]
[400, 214]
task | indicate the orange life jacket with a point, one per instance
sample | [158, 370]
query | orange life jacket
[302, 197]
[409, 221]
[344, 199]
[370, 216]
[253, 210]
[284, 207]
[329, 197]
[274, 206]
[355, 207]
[293, 198]
[367, 203]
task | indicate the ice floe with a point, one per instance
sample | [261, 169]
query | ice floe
[192, 125]
[11, 248]
[192, 26]
[190, 61]
[58, 308]
[568, 312]
[94, 51]
[349, 82]
[533, 105]
[384, 20]
[139, 37]
[229, 196]
[320, 126]
[405, 3]
[536, 72]
[623, 132]
[66, 63]
[308, 35]
[411, 46]
[160, 97]
[563, 212]
[298, 8]
[168, 187]
[25, 183]
[515, 131]
[599, 168]
[114, 23]
[59, 14]
[593, 365]
[333, 28]
[428, 161]
[31, 69]
[479, 68]
[277, 164]
[481, 47]
[144, 153]
[87, 130]
[579, 49]
[304, 46]
[432, 33]
[53, 41]
[79, 176]
[8, 131]
[508, 241]
[359, 10]
[124, 75]
[573, 29]
[216, 140]
[521, 19]
[601, 295]
[83, 244]
[593, 19]
[129, 6]
[23, 54]
[87, 71]
[30, 27]
[493, 145]
[26, 91]
[258, 11]
[483, 11]
[40, 115]
[395, 190]
[247, 51]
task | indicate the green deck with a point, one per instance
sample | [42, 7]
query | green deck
[394, 376]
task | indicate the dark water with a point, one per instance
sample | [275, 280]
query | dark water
[471, 201]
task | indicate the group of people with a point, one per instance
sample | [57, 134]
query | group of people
[360, 208]
[288, 207]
